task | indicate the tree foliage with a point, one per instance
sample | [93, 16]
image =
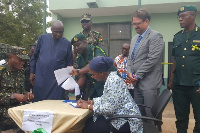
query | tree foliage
[21, 21]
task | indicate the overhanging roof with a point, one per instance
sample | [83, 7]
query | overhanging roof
[123, 10]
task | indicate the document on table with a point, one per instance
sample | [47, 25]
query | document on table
[68, 83]
[34, 119]
[72, 103]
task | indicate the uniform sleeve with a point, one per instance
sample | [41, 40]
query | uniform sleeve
[111, 99]
[173, 50]
[4, 96]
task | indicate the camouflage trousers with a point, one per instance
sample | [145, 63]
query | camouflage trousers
[7, 125]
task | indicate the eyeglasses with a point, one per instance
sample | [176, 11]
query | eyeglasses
[137, 23]
[183, 16]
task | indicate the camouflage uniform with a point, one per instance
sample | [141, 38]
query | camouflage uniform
[10, 82]
[94, 38]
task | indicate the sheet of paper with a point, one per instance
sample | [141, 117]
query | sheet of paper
[2, 62]
[34, 119]
[62, 74]
[74, 105]
[70, 84]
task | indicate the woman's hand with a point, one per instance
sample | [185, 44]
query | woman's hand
[83, 105]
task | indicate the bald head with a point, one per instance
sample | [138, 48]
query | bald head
[125, 49]
[57, 29]
[56, 23]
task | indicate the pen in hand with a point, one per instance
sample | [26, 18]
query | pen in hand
[80, 100]
[81, 96]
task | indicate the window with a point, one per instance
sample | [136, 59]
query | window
[114, 36]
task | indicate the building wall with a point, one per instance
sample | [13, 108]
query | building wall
[77, 4]
[167, 24]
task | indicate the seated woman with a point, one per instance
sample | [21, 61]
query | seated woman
[116, 100]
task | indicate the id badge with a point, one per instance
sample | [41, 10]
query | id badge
[124, 75]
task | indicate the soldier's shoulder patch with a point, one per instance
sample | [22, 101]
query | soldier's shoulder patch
[2, 67]
[95, 32]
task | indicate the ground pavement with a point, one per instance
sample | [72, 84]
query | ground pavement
[169, 120]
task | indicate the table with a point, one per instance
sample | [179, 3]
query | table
[67, 119]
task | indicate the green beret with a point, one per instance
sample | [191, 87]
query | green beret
[78, 37]
[86, 16]
[186, 8]
[20, 52]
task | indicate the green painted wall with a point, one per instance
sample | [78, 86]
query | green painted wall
[78, 4]
[73, 25]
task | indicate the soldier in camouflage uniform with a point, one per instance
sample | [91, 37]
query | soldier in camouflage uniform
[92, 37]
[12, 92]
[4, 49]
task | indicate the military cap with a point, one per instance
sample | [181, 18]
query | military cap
[20, 52]
[186, 8]
[78, 37]
[86, 16]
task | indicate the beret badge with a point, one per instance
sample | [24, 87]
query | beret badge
[182, 8]
[75, 39]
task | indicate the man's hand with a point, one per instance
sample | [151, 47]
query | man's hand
[198, 90]
[132, 78]
[32, 78]
[74, 72]
[30, 96]
[20, 97]
[83, 104]
[169, 86]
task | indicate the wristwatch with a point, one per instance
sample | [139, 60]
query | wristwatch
[77, 70]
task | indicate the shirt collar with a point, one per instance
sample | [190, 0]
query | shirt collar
[145, 32]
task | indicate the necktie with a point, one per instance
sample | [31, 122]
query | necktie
[136, 46]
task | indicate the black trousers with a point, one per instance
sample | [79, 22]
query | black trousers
[102, 126]
[183, 96]
[7, 124]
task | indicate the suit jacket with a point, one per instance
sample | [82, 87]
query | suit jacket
[146, 64]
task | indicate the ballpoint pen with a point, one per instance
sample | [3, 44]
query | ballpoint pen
[81, 95]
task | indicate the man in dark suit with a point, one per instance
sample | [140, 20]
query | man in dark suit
[144, 62]
[186, 49]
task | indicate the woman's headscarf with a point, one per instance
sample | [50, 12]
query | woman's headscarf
[101, 64]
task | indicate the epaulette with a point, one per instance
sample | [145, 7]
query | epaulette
[95, 32]
[197, 28]
[2, 67]
[181, 31]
